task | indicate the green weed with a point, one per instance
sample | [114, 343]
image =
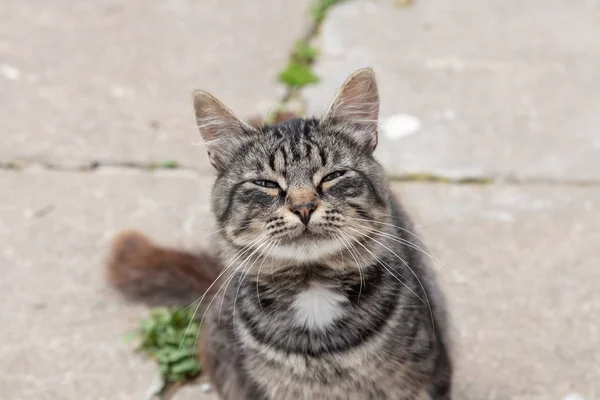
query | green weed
[297, 75]
[168, 336]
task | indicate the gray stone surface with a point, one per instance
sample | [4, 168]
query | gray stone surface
[111, 81]
[501, 88]
[62, 329]
[195, 392]
[520, 271]
[521, 274]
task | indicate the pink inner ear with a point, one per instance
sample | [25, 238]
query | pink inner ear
[221, 129]
[214, 119]
[357, 104]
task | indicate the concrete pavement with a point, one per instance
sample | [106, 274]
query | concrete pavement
[498, 88]
[503, 91]
[63, 331]
[111, 81]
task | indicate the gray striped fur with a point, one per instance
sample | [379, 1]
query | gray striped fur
[380, 331]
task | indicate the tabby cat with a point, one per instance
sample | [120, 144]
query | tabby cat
[325, 292]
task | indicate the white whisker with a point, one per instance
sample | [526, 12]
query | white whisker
[258, 274]
[199, 301]
[264, 247]
[355, 259]
[385, 265]
[411, 271]
[229, 265]
[428, 253]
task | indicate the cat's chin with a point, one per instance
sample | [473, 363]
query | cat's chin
[306, 251]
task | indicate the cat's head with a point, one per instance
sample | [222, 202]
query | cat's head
[304, 190]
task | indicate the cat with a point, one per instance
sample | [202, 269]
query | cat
[325, 291]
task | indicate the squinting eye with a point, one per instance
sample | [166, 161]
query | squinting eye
[332, 176]
[267, 184]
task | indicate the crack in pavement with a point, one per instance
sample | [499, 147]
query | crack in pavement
[292, 98]
[91, 166]
[424, 177]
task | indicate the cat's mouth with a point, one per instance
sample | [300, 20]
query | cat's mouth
[305, 235]
[307, 245]
[307, 249]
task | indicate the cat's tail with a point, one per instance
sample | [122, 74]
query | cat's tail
[145, 272]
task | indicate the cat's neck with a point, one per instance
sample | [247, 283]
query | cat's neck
[315, 310]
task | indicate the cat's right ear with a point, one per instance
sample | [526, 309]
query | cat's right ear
[219, 127]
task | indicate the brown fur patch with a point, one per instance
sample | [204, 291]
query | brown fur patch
[143, 271]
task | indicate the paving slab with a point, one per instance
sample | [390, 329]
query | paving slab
[111, 81]
[195, 392]
[521, 274]
[62, 334]
[478, 88]
[520, 269]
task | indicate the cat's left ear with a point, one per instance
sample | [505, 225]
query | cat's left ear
[356, 106]
[220, 128]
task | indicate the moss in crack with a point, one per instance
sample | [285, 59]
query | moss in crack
[11, 166]
[298, 75]
[298, 72]
[424, 177]
[304, 52]
[321, 7]
[169, 164]
[475, 181]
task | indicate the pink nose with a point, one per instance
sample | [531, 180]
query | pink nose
[304, 211]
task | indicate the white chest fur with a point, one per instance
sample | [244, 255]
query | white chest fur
[318, 306]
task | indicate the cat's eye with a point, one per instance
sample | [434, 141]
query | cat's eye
[267, 184]
[332, 176]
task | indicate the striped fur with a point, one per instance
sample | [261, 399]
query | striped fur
[382, 331]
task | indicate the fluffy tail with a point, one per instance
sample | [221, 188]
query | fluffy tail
[143, 271]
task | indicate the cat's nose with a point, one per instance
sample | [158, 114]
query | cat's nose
[304, 211]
